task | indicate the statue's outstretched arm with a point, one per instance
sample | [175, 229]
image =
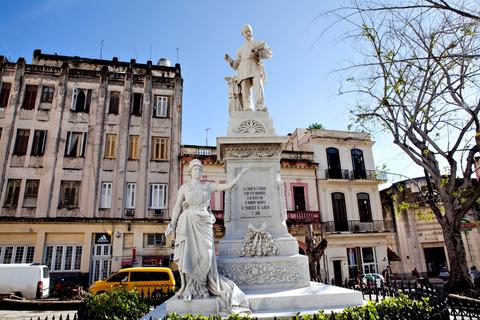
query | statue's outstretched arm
[231, 184]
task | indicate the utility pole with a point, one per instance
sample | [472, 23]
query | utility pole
[206, 135]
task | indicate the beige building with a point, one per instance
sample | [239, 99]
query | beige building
[329, 181]
[419, 237]
[89, 154]
[349, 201]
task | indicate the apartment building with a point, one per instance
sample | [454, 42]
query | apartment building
[348, 200]
[89, 153]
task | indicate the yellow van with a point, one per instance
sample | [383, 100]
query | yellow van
[143, 279]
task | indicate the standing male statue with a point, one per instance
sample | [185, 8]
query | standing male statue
[250, 70]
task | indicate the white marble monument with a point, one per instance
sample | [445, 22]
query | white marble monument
[257, 255]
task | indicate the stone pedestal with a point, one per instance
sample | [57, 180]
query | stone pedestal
[258, 199]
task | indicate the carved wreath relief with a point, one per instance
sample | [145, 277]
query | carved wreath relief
[258, 243]
[251, 126]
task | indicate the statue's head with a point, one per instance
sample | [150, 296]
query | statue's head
[247, 31]
[195, 167]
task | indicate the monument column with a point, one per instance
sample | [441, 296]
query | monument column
[257, 251]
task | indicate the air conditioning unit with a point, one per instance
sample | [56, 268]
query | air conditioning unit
[130, 212]
[158, 212]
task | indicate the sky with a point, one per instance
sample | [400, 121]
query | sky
[302, 86]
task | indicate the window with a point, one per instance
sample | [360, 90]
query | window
[137, 104]
[364, 209]
[155, 239]
[133, 148]
[334, 167]
[130, 195]
[157, 196]
[75, 144]
[13, 190]
[5, 94]
[21, 142]
[110, 146]
[16, 254]
[114, 104]
[81, 100]
[159, 148]
[358, 164]
[149, 276]
[106, 195]
[69, 194]
[31, 194]
[369, 260]
[118, 277]
[160, 107]
[47, 94]
[39, 142]
[339, 211]
[354, 262]
[29, 97]
[62, 258]
[299, 198]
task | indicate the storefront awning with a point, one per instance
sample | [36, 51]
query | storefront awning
[392, 255]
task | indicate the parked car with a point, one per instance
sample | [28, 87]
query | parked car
[153, 279]
[28, 280]
[369, 279]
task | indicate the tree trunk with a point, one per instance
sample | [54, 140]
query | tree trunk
[314, 253]
[459, 277]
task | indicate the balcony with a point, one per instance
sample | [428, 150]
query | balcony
[337, 174]
[356, 226]
[368, 175]
[303, 217]
[371, 175]
[198, 151]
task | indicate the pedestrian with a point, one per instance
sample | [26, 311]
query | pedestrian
[415, 273]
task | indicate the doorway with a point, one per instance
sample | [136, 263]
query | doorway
[337, 272]
[434, 259]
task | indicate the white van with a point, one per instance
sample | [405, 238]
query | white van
[30, 280]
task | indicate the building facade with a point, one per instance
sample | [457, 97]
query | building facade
[349, 201]
[419, 238]
[89, 154]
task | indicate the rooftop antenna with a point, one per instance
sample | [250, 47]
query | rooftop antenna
[178, 55]
[150, 58]
[101, 49]
[206, 135]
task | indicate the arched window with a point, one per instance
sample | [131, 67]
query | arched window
[358, 164]
[339, 211]
[364, 208]
[334, 167]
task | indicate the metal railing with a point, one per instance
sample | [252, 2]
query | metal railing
[303, 217]
[342, 174]
[355, 226]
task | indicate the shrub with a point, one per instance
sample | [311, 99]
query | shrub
[401, 307]
[120, 303]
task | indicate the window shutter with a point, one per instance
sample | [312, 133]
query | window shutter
[106, 195]
[154, 196]
[74, 99]
[162, 195]
[130, 204]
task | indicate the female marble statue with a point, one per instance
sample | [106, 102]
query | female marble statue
[194, 254]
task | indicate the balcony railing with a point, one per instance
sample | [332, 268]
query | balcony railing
[356, 226]
[199, 151]
[303, 217]
[354, 175]
[337, 174]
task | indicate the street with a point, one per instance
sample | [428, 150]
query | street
[32, 314]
